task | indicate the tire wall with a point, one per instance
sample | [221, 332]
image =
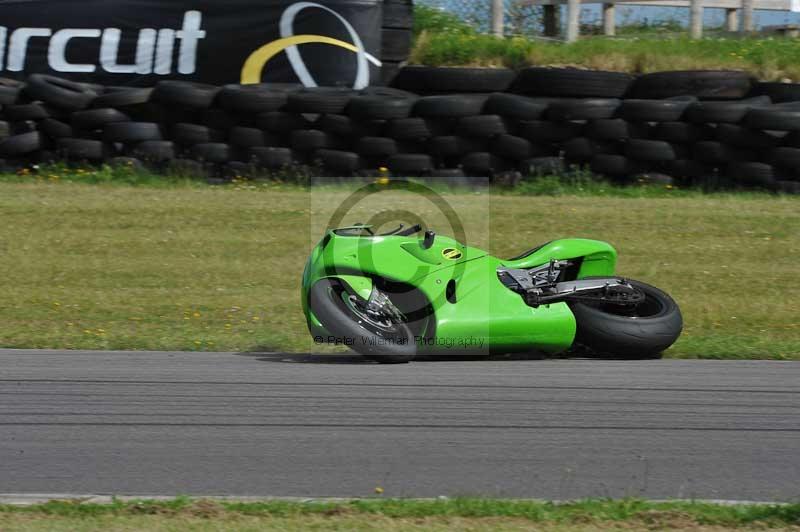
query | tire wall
[708, 129]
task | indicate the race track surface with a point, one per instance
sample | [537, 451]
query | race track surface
[321, 426]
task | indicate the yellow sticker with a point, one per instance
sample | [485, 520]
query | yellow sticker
[452, 254]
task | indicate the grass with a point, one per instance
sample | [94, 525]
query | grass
[194, 267]
[443, 40]
[445, 514]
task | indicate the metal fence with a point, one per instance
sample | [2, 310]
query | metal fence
[503, 16]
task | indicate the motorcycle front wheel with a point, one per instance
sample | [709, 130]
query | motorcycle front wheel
[641, 332]
[383, 339]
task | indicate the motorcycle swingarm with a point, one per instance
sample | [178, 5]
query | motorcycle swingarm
[540, 286]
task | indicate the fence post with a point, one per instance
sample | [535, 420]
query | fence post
[498, 18]
[731, 19]
[747, 16]
[609, 20]
[573, 20]
[696, 19]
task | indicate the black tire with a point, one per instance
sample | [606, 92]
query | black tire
[680, 132]
[608, 333]
[716, 153]
[704, 84]
[185, 94]
[55, 129]
[82, 149]
[580, 150]
[588, 109]
[60, 93]
[653, 110]
[688, 170]
[512, 148]
[742, 137]
[9, 95]
[777, 119]
[446, 146]
[22, 144]
[156, 151]
[543, 166]
[92, 119]
[191, 134]
[27, 126]
[380, 147]
[408, 129]
[123, 98]
[778, 92]
[440, 80]
[515, 106]
[788, 187]
[450, 106]
[540, 131]
[396, 44]
[717, 112]
[372, 107]
[282, 122]
[320, 100]
[310, 140]
[398, 14]
[608, 129]
[272, 158]
[212, 152]
[392, 345]
[650, 150]
[788, 158]
[131, 132]
[336, 125]
[410, 164]
[344, 162]
[752, 174]
[456, 175]
[614, 165]
[27, 111]
[248, 137]
[482, 126]
[484, 164]
[572, 83]
[258, 98]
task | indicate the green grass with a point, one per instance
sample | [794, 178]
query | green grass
[446, 514]
[194, 267]
[443, 40]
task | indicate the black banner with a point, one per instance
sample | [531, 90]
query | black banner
[139, 42]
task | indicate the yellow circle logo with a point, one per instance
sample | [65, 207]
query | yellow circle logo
[452, 254]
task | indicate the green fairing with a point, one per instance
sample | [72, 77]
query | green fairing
[484, 314]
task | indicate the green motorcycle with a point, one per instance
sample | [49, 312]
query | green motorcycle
[393, 296]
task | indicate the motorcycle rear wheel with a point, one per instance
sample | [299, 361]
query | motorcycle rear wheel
[630, 333]
[387, 342]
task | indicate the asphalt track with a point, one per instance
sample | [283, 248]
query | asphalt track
[317, 426]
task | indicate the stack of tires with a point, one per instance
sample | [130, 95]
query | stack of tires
[713, 129]
[396, 35]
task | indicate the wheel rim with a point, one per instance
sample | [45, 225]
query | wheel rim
[651, 306]
[377, 324]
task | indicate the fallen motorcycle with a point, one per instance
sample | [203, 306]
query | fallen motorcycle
[393, 296]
